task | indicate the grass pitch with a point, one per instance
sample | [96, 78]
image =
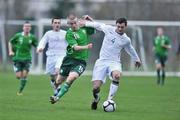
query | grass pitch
[138, 98]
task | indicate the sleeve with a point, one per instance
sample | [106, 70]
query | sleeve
[43, 42]
[99, 26]
[131, 51]
[13, 40]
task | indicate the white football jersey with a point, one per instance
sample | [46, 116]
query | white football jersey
[113, 43]
[56, 42]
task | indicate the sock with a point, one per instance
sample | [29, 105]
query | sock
[158, 76]
[163, 77]
[96, 94]
[23, 82]
[57, 90]
[52, 82]
[113, 89]
[63, 90]
[52, 85]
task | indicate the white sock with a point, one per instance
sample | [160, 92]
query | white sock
[53, 86]
[57, 90]
[112, 91]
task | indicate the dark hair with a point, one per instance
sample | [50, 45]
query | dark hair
[121, 20]
[53, 19]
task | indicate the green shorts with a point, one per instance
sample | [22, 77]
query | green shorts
[20, 65]
[160, 60]
[70, 64]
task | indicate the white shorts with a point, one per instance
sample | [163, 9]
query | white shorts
[102, 68]
[53, 63]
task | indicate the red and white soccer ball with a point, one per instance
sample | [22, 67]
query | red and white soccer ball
[109, 106]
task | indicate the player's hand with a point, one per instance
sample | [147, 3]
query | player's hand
[137, 64]
[39, 50]
[90, 45]
[87, 17]
[11, 53]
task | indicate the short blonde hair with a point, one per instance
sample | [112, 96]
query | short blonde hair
[72, 18]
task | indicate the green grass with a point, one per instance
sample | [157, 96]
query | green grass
[138, 98]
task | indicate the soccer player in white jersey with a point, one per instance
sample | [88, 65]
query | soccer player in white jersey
[109, 62]
[56, 50]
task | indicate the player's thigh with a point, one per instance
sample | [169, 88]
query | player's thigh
[26, 66]
[99, 71]
[73, 75]
[66, 66]
[50, 64]
[17, 66]
[158, 62]
[163, 61]
[115, 70]
[79, 67]
[59, 62]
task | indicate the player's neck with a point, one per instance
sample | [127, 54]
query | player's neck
[120, 33]
[26, 33]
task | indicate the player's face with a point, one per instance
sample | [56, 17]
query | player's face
[27, 28]
[56, 24]
[160, 31]
[73, 24]
[120, 27]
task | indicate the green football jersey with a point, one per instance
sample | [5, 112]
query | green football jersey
[79, 37]
[22, 46]
[158, 43]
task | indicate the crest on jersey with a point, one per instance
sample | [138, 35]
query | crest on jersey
[30, 41]
[76, 36]
[113, 40]
[84, 31]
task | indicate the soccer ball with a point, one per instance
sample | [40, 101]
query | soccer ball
[109, 106]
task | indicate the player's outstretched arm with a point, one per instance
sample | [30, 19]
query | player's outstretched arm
[88, 46]
[166, 46]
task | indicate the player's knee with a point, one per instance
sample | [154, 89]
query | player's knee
[72, 78]
[117, 76]
[158, 66]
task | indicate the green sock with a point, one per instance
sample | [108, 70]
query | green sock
[22, 84]
[63, 90]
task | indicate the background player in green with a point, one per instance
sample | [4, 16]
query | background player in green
[74, 63]
[20, 50]
[161, 47]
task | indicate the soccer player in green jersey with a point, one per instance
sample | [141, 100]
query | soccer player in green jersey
[161, 47]
[20, 50]
[74, 63]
